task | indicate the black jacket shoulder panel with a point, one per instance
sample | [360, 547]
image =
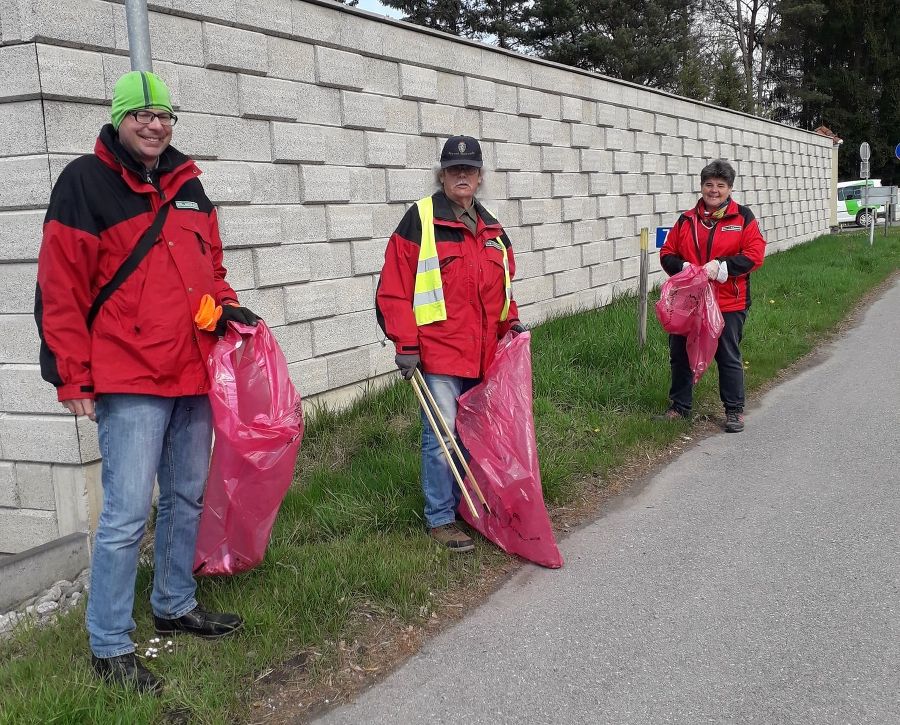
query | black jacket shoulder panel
[410, 227]
[746, 214]
[192, 190]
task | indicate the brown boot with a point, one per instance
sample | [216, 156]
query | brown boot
[452, 537]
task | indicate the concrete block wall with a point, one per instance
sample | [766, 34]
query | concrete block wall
[316, 125]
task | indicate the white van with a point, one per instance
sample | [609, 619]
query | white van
[850, 206]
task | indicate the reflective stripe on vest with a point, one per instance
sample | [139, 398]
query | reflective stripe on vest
[428, 299]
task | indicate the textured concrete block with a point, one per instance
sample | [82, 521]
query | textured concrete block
[640, 204]
[558, 259]
[616, 139]
[227, 181]
[571, 109]
[47, 438]
[409, 184]
[268, 303]
[343, 332]
[315, 300]
[318, 144]
[533, 103]
[227, 48]
[361, 110]
[239, 264]
[480, 94]
[503, 127]
[646, 142]
[303, 224]
[20, 79]
[22, 390]
[605, 273]
[349, 221]
[401, 116]
[22, 529]
[250, 226]
[21, 130]
[626, 163]
[444, 121]
[575, 208]
[274, 183]
[310, 376]
[340, 69]
[223, 10]
[634, 184]
[20, 338]
[367, 255]
[584, 136]
[72, 128]
[368, 186]
[571, 281]
[24, 182]
[564, 184]
[75, 75]
[9, 496]
[207, 91]
[666, 125]
[385, 149]
[533, 211]
[270, 15]
[329, 261]
[611, 116]
[295, 341]
[290, 60]
[533, 289]
[543, 131]
[640, 120]
[268, 98]
[520, 185]
[83, 23]
[687, 128]
[508, 157]
[626, 248]
[450, 87]
[418, 83]
[618, 227]
[320, 184]
[595, 160]
[285, 264]
[346, 368]
[597, 251]
[35, 485]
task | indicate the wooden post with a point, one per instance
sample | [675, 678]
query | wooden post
[642, 307]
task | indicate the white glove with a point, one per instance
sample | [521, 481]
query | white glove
[723, 272]
[712, 268]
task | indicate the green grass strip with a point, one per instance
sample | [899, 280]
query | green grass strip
[350, 533]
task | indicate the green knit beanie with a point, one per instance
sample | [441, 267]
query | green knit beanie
[138, 89]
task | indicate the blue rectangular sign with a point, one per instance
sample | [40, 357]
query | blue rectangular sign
[661, 234]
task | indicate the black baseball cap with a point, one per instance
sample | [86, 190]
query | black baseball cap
[461, 151]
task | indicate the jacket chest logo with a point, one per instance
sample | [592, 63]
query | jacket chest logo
[494, 243]
[187, 205]
[732, 228]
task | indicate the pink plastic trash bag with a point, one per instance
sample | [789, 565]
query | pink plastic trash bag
[687, 306]
[258, 425]
[495, 423]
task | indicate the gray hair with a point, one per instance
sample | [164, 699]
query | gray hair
[718, 169]
[482, 188]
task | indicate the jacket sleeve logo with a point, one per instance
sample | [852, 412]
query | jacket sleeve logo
[187, 205]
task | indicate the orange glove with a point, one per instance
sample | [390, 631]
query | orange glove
[208, 314]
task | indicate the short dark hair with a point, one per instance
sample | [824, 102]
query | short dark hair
[718, 169]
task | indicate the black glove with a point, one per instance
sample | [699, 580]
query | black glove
[518, 328]
[407, 365]
[236, 314]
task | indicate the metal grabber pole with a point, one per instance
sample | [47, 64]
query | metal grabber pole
[440, 437]
[138, 23]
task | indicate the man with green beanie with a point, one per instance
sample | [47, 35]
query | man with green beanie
[130, 246]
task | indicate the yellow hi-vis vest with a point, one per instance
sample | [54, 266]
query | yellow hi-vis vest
[428, 299]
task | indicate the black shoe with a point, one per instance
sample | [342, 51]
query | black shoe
[673, 413]
[734, 421]
[208, 625]
[127, 670]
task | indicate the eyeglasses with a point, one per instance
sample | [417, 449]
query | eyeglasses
[147, 117]
[463, 170]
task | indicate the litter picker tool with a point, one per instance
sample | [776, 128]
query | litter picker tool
[417, 375]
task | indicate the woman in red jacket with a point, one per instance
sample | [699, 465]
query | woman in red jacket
[723, 237]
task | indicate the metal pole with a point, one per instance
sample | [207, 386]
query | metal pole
[642, 309]
[138, 34]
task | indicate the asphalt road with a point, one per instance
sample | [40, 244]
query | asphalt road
[756, 579]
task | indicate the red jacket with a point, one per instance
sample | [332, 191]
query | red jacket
[735, 239]
[474, 292]
[143, 339]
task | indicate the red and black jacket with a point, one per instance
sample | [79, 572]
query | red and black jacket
[143, 339]
[474, 285]
[734, 239]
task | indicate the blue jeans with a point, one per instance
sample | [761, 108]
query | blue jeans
[143, 437]
[441, 491]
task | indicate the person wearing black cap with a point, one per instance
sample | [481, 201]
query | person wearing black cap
[445, 299]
